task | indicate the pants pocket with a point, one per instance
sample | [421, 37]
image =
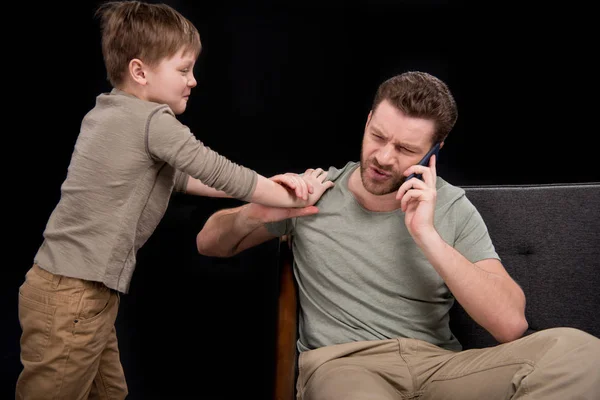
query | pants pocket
[94, 304]
[36, 324]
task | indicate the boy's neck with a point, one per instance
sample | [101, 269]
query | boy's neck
[133, 89]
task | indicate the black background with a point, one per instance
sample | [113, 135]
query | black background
[282, 86]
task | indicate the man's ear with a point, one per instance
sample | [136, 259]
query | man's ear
[368, 119]
[137, 71]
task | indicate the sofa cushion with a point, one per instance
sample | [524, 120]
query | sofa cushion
[548, 237]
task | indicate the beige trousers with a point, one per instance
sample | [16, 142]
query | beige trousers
[69, 345]
[560, 363]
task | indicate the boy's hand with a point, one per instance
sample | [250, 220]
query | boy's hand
[294, 183]
[302, 187]
[315, 178]
[309, 186]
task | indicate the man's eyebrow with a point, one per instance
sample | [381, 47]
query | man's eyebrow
[378, 131]
[408, 146]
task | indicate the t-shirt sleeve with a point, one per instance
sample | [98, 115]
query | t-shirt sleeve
[473, 240]
[169, 140]
[280, 228]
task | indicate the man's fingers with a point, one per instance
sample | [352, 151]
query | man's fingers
[302, 212]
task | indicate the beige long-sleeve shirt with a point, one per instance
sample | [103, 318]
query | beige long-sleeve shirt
[129, 157]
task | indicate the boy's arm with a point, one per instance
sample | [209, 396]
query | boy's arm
[197, 188]
[302, 187]
[170, 141]
[274, 192]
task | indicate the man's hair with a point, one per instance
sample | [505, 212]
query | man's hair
[420, 95]
[150, 32]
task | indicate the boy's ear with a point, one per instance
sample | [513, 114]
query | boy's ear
[137, 71]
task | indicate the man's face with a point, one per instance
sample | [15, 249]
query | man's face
[392, 142]
[171, 81]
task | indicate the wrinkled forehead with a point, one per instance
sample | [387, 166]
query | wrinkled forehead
[398, 126]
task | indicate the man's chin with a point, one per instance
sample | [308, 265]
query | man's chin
[379, 190]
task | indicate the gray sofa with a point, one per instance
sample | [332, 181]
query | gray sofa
[548, 237]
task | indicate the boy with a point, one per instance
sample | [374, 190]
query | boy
[130, 155]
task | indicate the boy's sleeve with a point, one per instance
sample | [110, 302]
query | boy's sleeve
[181, 181]
[169, 140]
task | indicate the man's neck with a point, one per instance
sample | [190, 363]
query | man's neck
[368, 200]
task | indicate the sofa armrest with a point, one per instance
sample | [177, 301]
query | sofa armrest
[286, 329]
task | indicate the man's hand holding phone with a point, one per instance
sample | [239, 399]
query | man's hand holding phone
[418, 193]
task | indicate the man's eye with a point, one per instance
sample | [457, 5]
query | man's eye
[185, 70]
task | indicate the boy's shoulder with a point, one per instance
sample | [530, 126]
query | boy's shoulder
[121, 106]
[121, 99]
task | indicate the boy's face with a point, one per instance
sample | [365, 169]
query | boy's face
[171, 81]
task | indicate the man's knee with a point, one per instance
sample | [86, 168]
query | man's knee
[572, 346]
[570, 337]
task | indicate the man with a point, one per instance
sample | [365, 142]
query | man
[382, 262]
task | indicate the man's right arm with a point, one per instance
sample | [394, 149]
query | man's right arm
[230, 231]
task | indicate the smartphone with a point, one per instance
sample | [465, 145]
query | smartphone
[425, 160]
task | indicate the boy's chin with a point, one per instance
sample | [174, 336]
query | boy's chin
[178, 110]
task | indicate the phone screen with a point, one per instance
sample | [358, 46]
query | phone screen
[425, 160]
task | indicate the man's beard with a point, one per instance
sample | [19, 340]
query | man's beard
[391, 185]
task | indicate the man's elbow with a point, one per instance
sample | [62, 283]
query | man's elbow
[512, 330]
[206, 247]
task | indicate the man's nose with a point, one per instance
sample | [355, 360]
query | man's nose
[385, 155]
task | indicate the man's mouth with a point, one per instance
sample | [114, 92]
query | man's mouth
[379, 173]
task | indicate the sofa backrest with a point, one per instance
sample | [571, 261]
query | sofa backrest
[548, 237]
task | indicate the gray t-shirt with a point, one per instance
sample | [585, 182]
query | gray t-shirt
[362, 277]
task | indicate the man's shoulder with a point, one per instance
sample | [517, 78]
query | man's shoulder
[335, 173]
[448, 193]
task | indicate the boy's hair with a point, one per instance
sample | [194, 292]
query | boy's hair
[420, 95]
[150, 32]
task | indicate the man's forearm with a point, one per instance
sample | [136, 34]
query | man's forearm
[491, 298]
[224, 231]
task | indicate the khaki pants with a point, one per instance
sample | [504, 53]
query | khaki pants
[561, 363]
[69, 345]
